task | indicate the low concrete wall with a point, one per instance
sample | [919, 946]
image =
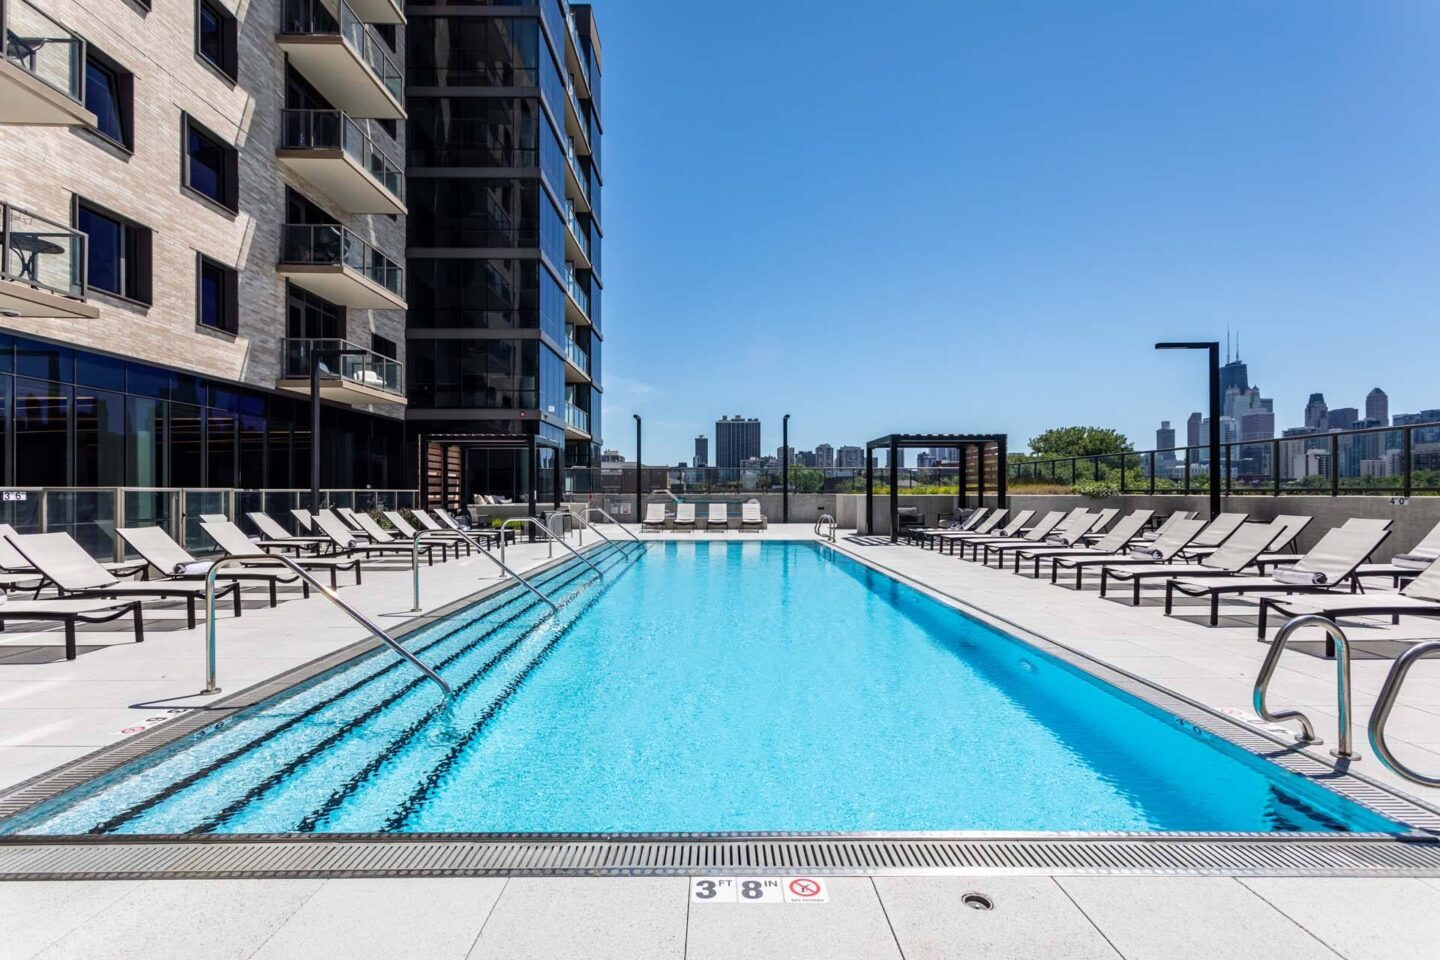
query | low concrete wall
[1411, 521]
[851, 510]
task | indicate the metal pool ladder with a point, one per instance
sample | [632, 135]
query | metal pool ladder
[439, 536]
[553, 539]
[584, 518]
[1342, 749]
[825, 527]
[1386, 701]
[212, 687]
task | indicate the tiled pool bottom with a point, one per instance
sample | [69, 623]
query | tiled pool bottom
[708, 687]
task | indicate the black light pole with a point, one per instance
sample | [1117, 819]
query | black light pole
[785, 469]
[1214, 347]
[315, 353]
[639, 467]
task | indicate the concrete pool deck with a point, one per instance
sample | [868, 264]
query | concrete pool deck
[52, 711]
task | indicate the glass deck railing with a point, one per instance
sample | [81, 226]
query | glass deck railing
[332, 129]
[336, 18]
[574, 160]
[575, 39]
[577, 292]
[577, 418]
[575, 355]
[41, 252]
[343, 360]
[43, 47]
[573, 222]
[325, 243]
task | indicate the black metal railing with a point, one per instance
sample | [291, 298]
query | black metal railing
[1400, 461]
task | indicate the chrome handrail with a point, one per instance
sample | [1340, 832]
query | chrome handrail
[1386, 701]
[439, 536]
[624, 529]
[1342, 749]
[823, 519]
[553, 539]
[303, 574]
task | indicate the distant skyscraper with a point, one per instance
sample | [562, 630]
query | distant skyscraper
[1192, 430]
[805, 458]
[737, 439]
[825, 457]
[702, 452]
[1341, 418]
[1257, 425]
[1316, 413]
[780, 454]
[1165, 440]
[850, 458]
[1234, 377]
[1377, 407]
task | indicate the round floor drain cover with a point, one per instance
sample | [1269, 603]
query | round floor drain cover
[978, 901]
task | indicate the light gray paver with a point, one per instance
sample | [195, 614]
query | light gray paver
[1180, 918]
[1032, 918]
[1361, 919]
[185, 920]
[587, 918]
[851, 926]
[35, 914]
[426, 919]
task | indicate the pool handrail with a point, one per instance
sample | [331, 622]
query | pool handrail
[212, 687]
[553, 539]
[827, 521]
[623, 529]
[1386, 701]
[1342, 749]
[504, 569]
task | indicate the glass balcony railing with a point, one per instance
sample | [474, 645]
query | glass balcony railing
[575, 355]
[576, 291]
[575, 39]
[43, 47]
[336, 18]
[577, 418]
[343, 360]
[574, 159]
[332, 130]
[330, 244]
[573, 222]
[41, 252]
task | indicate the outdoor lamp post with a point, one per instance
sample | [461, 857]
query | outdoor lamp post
[639, 468]
[316, 352]
[1214, 347]
[785, 469]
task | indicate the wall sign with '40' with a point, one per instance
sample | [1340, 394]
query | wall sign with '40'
[758, 890]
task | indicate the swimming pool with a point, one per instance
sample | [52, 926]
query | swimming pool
[706, 687]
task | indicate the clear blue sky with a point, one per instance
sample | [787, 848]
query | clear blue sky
[884, 217]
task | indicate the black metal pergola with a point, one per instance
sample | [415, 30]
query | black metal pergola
[529, 444]
[964, 442]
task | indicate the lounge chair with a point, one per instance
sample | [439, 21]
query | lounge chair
[379, 536]
[1420, 598]
[685, 516]
[305, 519]
[926, 536]
[490, 538]
[366, 544]
[232, 540]
[1139, 553]
[750, 516]
[718, 516]
[173, 560]
[1404, 567]
[276, 534]
[1066, 534]
[75, 574]
[966, 537]
[70, 612]
[1174, 517]
[654, 517]
[452, 537]
[1216, 532]
[1239, 552]
[1329, 563]
[1109, 545]
[1287, 528]
[1354, 523]
[1097, 532]
[907, 519]
[13, 563]
[1026, 537]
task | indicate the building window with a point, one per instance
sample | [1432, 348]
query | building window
[215, 31]
[118, 253]
[110, 95]
[383, 346]
[217, 296]
[210, 166]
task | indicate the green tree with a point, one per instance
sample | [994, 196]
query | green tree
[806, 479]
[1062, 442]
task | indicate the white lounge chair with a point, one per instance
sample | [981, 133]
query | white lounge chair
[11, 562]
[1239, 551]
[1419, 598]
[232, 540]
[173, 560]
[453, 537]
[278, 536]
[719, 516]
[654, 517]
[750, 516]
[1110, 544]
[685, 517]
[984, 531]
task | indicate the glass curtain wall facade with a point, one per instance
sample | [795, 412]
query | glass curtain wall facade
[503, 243]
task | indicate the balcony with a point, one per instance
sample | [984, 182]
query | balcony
[378, 11]
[577, 310]
[577, 422]
[42, 268]
[577, 241]
[577, 363]
[335, 153]
[333, 263]
[348, 372]
[42, 74]
[330, 45]
[577, 186]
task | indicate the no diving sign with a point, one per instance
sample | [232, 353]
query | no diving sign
[758, 890]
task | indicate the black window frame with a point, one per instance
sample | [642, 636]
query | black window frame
[384, 346]
[229, 198]
[137, 254]
[124, 88]
[228, 287]
[226, 59]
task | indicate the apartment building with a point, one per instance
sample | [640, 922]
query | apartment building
[504, 247]
[203, 205]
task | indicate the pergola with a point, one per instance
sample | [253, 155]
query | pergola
[529, 445]
[896, 442]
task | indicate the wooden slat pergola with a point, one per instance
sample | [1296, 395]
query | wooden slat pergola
[964, 442]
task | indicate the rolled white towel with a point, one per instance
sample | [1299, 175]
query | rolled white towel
[1150, 535]
[1414, 561]
[1305, 578]
[194, 568]
[256, 539]
[1147, 553]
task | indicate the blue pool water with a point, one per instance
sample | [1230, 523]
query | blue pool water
[705, 687]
